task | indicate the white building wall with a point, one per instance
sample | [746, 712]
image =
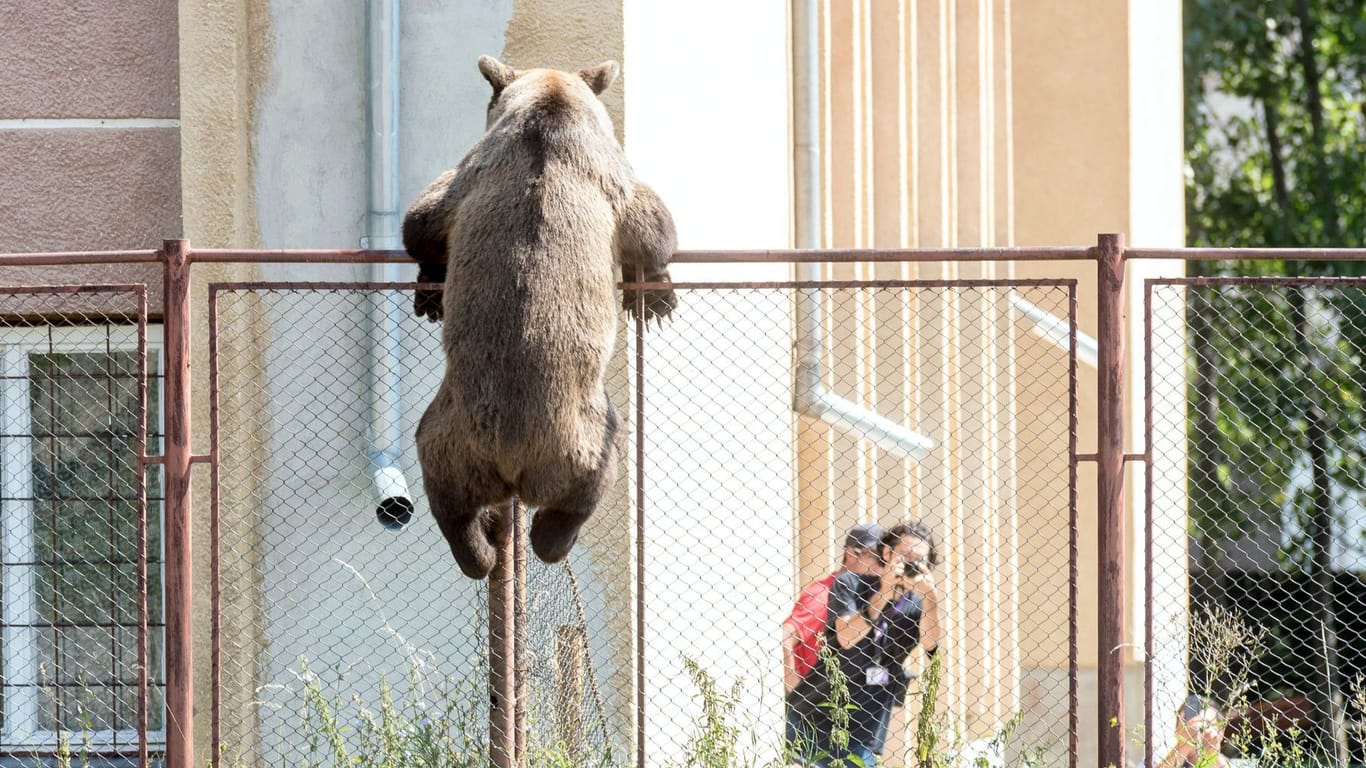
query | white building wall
[707, 112]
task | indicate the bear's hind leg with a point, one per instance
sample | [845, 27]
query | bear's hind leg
[474, 527]
[555, 526]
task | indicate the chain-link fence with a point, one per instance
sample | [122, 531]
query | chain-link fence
[324, 614]
[925, 395]
[759, 425]
[1257, 437]
[339, 622]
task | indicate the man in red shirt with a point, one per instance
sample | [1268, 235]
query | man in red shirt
[804, 628]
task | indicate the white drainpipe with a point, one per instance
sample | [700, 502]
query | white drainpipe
[393, 502]
[810, 395]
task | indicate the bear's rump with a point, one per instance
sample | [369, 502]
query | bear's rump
[516, 416]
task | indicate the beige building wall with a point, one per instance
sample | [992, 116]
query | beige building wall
[89, 136]
[221, 52]
[120, 128]
[963, 124]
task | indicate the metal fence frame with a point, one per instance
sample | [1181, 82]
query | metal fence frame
[1109, 255]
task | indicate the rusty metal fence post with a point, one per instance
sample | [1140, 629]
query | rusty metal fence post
[1110, 506]
[502, 659]
[640, 515]
[179, 573]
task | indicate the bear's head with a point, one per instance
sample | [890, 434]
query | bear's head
[547, 89]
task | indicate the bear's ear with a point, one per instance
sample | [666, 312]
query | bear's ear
[601, 76]
[496, 72]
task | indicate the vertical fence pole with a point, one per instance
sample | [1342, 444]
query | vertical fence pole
[179, 571]
[519, 634]
[640, 518]
[215, 549]
[1110, 509]
[502, 659]
[143, 607]
[1073, 536]
[1148, 523]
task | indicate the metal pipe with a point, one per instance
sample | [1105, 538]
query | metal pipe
[640, 521]
[1248, 254]
[1110, 499]
[743, 256]
[215, 546]
[144, 609]
[1148, 523]
[79, 257]
[502, 659]
[519, 633]
[810, 395]
[1073, 536]
[179, 570]
[393, 501]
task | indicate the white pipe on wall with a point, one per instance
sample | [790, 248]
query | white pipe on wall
[811, 396]
[393, 502]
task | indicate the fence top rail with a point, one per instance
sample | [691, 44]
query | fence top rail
[756, 256]
[1248, 254]
[78, 257]
[785, 256]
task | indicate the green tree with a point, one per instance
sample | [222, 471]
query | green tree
[1276, 156]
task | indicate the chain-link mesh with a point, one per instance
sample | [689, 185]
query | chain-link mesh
[80, 584]
[1257, 517]
[749, 501]
[334, 625]
[325, 615]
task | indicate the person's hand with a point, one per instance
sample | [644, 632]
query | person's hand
[790, 679]
[894, 580]
[1202, 734]
[923, 585]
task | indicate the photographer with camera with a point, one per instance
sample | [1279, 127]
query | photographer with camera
[804, 683]
[874, 623]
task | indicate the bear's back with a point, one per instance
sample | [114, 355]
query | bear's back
[530, 311]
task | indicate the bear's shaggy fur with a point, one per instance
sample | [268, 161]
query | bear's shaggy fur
[526, 233]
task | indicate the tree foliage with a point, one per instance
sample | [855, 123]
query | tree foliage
[1276, 156]
[1275, 133]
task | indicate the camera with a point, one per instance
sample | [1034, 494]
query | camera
[915, 567]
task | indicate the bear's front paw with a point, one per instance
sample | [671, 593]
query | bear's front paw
[659, 302]
[427, 303]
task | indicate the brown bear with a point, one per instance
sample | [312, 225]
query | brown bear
[526, 234]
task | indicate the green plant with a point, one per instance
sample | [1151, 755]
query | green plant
[837, 704]
[716, 735]
[939, 740]
[1228, 646]
[1225, 646]
[430, 724]
[929, 727]
[427, 723]
[713, 743]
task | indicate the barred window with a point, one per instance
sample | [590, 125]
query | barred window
[69, 522]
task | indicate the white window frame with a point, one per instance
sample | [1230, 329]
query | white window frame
[20, 660]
